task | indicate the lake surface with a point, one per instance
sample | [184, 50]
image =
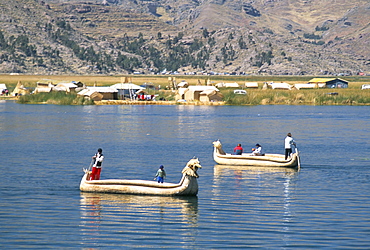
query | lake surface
[324, 205]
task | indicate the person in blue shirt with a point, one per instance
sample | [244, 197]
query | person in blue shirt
[161, 174]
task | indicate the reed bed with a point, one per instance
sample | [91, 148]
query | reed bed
[59, 98]
[299, 97]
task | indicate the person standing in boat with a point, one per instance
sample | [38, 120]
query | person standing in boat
[238, 150]
[289, 142]
[258, 150]
[161, 174]
[96, 170]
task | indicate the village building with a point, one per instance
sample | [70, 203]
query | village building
[127, 90]
[183, 84]
[277, 85]
[305, 86]
[65, 86]
[251, 84]
[99, 93]
[227, 85]
[72, 86]
[329, 82]
[20, 90]
[44, 86]
[210, 95]
[199, 93]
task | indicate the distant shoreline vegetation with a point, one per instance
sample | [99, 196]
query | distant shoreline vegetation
[353, 95]
[58, 98]
[299, 97]
[253, 97]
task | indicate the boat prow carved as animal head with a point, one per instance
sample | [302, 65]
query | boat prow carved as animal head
[191, 168]
[217, 144]
[218, 147]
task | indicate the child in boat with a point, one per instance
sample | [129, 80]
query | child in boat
[161, 174]
[238, 150]
[258, 150]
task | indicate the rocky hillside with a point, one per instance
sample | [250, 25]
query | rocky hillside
[277, 37]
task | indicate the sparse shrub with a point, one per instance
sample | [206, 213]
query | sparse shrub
[312, 36]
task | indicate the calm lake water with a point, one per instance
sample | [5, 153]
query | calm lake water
[325, 205]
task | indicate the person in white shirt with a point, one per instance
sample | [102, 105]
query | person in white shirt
[96, 170]
[258, 150]
[289, 142]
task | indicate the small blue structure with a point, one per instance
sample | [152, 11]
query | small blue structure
[330, 82]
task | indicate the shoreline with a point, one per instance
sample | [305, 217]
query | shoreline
[195, 103]
[126, 102]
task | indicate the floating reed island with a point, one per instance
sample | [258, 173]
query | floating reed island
[353, 95]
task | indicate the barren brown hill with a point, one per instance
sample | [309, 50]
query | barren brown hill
[122, 36]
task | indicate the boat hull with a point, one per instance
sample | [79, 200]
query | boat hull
[188, 186]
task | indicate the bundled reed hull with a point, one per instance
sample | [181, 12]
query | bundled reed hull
[188, 186]
[268, 160]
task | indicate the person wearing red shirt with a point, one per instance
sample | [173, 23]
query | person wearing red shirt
[238, 150]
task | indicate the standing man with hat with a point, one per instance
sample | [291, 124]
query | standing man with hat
[289, 141]
[96, 170]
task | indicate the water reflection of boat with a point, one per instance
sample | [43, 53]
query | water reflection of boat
[101, 211]
[265, 189]
[188, 185]
[187, 204]
[220, 169]
[92, 204]
[268, 160]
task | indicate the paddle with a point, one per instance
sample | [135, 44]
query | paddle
[299, 161]
[89, 169]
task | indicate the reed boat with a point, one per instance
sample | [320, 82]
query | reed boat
[188, 185]
[246, 159]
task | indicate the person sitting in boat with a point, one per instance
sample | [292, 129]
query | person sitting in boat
[161, 174]
[238, 150]
[258, 150]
